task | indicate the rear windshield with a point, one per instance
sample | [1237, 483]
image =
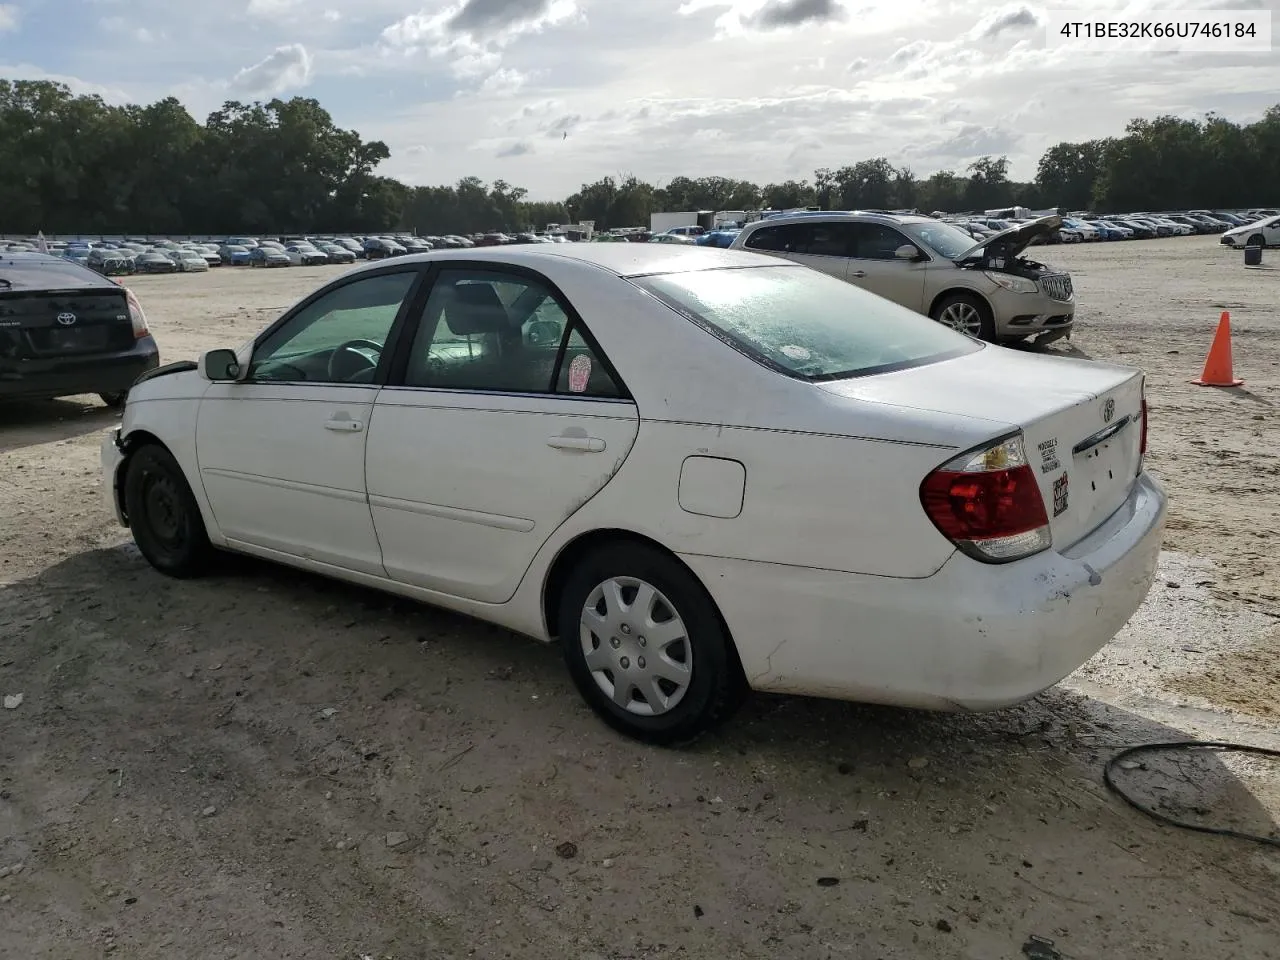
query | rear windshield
[47, 272]
[806, 324]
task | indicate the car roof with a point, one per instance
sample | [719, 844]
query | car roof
[852, 216]
[620, 259]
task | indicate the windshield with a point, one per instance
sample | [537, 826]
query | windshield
[943, 238]
[804, 323]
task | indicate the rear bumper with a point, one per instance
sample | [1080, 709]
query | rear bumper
[972, 636]
[91, 373]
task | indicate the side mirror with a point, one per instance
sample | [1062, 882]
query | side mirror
[907, 251]
[220, 366]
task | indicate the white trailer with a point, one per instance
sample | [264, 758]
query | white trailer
[662, 222]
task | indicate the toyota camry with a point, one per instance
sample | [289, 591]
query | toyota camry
[699, 471]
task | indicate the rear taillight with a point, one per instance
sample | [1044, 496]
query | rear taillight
[136, 316]
[988, 503]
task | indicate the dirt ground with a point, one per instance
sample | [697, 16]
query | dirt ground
[267, 764]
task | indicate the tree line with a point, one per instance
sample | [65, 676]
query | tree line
[76, 164]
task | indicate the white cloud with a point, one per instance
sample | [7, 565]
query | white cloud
[760, 89]
[273, 8]
[503, 83]
[10, 17]
[472, 35]
[286, 68]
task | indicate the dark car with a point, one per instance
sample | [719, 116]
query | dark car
[379, 248]
[337, 254]
[152, 262]
[66, 330]
[268, 257]
[109, 261]
[1141, 229]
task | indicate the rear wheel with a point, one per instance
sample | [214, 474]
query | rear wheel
[967, 314]
[115, 400]
[163, 514]
[645, 646]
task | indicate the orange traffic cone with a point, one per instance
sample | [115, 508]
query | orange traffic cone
[1217, 366]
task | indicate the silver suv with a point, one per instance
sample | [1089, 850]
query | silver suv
[984, 288]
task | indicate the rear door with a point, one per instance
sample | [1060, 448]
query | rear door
[818, 245]
[500, 420]
[52, 309]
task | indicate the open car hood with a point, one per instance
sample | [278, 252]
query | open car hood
[1013, 241]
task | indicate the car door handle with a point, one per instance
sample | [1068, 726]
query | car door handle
[858, 273]
[584, 444]
[344, 426]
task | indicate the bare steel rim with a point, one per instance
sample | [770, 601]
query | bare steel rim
[636, 646]
[963, 316]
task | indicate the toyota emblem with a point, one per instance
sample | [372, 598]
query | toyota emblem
[1108, 410]
[66, 319]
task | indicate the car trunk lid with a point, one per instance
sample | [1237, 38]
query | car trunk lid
[1081, 421]
[41, 324]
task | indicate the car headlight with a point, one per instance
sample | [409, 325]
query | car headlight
[1011, 283]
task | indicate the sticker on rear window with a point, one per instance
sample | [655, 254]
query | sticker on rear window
[1060, 496]
[579, 373]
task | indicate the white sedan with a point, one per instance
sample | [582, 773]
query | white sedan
[700, 470]
[1260, 233]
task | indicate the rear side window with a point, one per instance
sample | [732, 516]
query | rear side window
[806, 324]
[784, 238]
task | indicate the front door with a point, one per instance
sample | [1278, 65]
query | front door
[876, 267]
[281, 453]
[505, 420]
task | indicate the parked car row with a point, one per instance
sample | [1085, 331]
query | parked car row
[1090, 227]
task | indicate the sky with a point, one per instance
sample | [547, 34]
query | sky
[551, 94]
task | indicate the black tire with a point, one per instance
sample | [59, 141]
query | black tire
[716, 685]
[115, 400]
[1257, 240]
[163, 514]
[986, 324]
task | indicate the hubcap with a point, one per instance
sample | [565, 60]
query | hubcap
[164, 510]
[636, 646]
[963, 317]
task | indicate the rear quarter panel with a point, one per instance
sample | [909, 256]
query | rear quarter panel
[837, 503]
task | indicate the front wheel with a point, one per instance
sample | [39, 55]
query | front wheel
[967, 314]
[163, 514]
[115, 400]
[645, 645]
[1257, 240]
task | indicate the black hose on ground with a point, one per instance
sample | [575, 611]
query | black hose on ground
[1187, 745]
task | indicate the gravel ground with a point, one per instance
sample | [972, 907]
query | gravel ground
[265, 763]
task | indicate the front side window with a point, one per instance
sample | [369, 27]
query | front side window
[495, 331]
[942, 238]
[804, 323]
[337, 338]
[876, 241]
